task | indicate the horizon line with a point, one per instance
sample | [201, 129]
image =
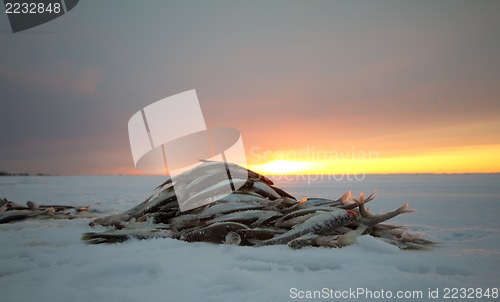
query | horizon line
[268, 175]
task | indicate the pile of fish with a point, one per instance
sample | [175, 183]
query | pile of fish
[256, 214]
[11, 211]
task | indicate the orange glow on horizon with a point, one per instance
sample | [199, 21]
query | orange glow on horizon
[477, 159]
[472, 159]
[284, 167]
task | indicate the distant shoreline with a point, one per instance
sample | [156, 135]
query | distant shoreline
[23, 174]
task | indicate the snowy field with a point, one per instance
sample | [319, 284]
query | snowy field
[47, 261]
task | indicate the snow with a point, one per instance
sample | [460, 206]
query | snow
[46, 260]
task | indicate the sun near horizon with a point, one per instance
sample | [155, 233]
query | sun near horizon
[478, 159]
[457, 160]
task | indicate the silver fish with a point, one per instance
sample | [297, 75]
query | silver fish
[124, 234]
[284, 221]
[215, 232]
[282, 192]
[205, 181]
[290, 222]
[311, 202]
[264, 190]
[308, 239]
[318, 224]
[227, 207]
[235, 169]
[153, 203]
[209, 194]
[252, 217]
[184, 221]
[351, 237]
[117, 220]
[259, 233]
[16, 215]
[369, 219]
[244, 198]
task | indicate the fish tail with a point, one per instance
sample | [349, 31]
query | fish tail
[344, 199]
[404, 209]
[372, 196]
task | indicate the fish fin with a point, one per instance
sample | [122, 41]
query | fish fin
[404, 209]
[344, 199]
[359, 201]
[354, 199]
[372, 196]
[361, 205]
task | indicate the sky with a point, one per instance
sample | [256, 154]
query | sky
[312, 86]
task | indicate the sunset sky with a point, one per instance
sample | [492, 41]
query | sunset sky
[313, 86]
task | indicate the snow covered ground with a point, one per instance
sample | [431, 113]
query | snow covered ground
[47, 261]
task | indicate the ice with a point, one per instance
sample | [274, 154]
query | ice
[46, 260]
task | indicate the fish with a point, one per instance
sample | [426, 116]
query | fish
[265, 190]
[211, 168]
[289, 223]
[286, 203]
[307, 202]
[209, 194]
[227, 207]
[259, 233]
[301, 215]
[312, 202]
[215, 232]
[205, 181]
[153, 203]
[124, 234]
[351, 237]
[184, 221]
[282, 192]
[332, 241]
[14, 206]
[117, 220]
[308, 239]
[369, 219]
[405, 245]
[253, 217]
[322, 222]
[235, 169]
[205, 168]
[400, 235]
[243, 198]
[15, 215]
